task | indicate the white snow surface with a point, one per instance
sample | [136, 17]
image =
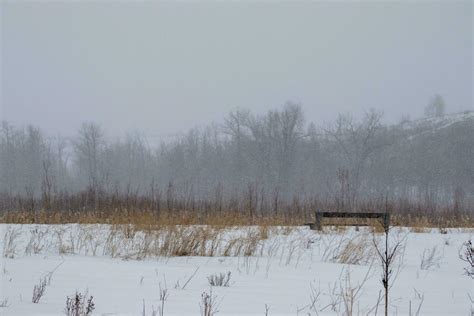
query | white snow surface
[433, 124]
[280, 273]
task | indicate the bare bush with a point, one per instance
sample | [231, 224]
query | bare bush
[209, 305]
[163, 296]
[79, 305]
[10, 242]
[430, 258]
[4, 303]
[39, 290]
[221, 279]
[36, 243]
[112, 244]
[91, 242]
[62, 245]
[467, 255]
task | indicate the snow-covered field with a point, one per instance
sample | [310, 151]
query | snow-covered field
[289, 271]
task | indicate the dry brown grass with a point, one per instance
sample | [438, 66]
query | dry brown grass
[144, 219]
[148, 220]
[358, 250]
[129, 242]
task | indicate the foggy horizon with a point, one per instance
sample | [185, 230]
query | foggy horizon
[163, 68]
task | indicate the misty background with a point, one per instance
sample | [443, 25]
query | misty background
[257, 102]
[162, 67]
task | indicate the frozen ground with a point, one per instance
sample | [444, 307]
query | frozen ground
[283, 270]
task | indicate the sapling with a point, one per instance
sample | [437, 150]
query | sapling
[387, 257]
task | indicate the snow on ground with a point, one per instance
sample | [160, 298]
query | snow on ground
[283, 272]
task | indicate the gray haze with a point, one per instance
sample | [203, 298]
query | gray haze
[163, 68]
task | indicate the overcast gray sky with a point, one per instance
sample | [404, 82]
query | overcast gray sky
[165, 67]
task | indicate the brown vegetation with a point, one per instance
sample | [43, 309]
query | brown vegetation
[147, 212]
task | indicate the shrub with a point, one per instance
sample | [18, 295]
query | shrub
[79, 305]
[430, 258]
[467, 255]
[10, 242]
[208, 304]
[4, 303]
[221, 279]
[39, 290]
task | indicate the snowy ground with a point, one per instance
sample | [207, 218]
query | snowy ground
[283, 271]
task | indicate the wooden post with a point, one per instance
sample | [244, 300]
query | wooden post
[386, 222]
[318, 221]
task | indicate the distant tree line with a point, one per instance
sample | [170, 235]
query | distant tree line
[277, 156]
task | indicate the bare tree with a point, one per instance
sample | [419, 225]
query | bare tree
[88, 148]
[289, 132]
[275, 137]
[236, 126]
[357, 141]
[256, 163]
[48, 177]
